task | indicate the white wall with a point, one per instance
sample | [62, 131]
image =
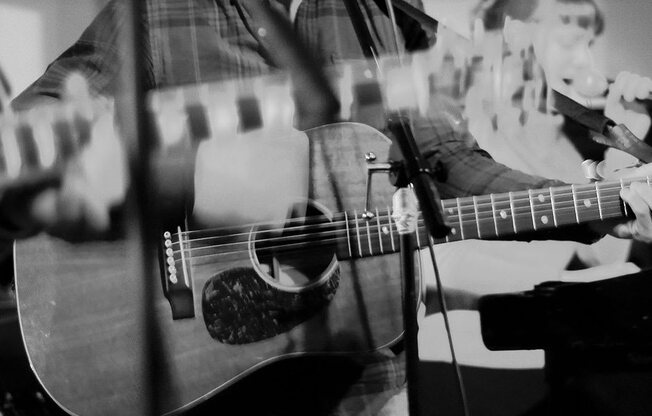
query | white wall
[34, 32]
[628, 36]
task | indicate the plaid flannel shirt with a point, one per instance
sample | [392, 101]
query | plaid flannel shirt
[190, 41]
[193, 41]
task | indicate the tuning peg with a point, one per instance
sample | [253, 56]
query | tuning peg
[591, 170]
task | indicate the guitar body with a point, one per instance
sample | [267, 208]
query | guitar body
[80, 311]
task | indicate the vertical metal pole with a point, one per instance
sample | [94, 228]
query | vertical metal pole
[132, 115]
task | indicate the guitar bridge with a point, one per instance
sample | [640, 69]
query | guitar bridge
[177, 285]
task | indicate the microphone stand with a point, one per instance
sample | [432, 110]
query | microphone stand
[413, 170]
[138, 139]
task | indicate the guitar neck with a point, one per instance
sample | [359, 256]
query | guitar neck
[493, 216]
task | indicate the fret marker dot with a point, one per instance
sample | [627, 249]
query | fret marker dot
[587, 203]
[385, 230]
[544, 219]
[503, 214]
[451, 211]
[453, 231]
[541, 198]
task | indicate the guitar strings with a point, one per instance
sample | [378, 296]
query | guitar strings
[609, 208]
[340, 226]
[480, 202]
[312, 242]
[561, 209]
[580, 190]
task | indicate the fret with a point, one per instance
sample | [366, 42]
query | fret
[610, 200]
[552, 206]
[459, 216]
[348, 234]
[534, 220]
[443, 210]
[586, 204]
[493, 213]
[357, 232]
[597, 197]
[477, 216]
[484, 214]
[521, 211]
[564, 205]
[511, 208]
[380, 233]
[451, 212]
[577, 217]
[622, 186]
[503, 214]
[371, 250]
[542, 208]
[391, 229]
[468, 215]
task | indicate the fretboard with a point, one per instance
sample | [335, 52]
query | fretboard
[492, 216]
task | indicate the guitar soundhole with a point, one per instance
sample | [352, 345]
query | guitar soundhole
[240, 308]
[298, 255]
[295, 276]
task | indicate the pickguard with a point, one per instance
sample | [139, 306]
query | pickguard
[239, 307]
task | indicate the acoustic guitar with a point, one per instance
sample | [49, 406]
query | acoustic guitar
[328, 283]
[234, 300]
